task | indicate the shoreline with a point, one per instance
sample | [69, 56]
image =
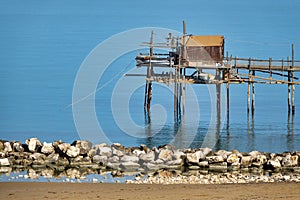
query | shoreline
[164, 164]
[79, 191]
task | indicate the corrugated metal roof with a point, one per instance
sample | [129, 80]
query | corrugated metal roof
[205, 40]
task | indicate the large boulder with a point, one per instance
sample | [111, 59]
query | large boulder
[215, 159]
[83, 145]
[127, 158]
[246, 161]
[274, 164]
[165, 154]
[73, 151]
[148, 157]
[102, 160]
[117, 152]
[33, 144]
[4, 162]
[63, 147]
[18, 147]
[52, 158]
[290, 161]
[233, 158]
[1, 145]
[7, 147]
[103, 150]
[259, 160]
[47, 148]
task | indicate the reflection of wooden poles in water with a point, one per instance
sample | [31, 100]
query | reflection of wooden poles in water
[175, 97]
[218, 91]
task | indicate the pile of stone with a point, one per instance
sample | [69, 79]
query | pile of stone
[82, 154]
[197, 177]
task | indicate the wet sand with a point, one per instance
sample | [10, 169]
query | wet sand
[81, 191]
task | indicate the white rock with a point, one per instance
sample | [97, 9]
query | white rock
[17, 146]
[175, 162]
[148, 157]
[223, 153]
[290, 161]
[104, 151]
[246, 161]
[7, 147]
[63, 147]
[36, 156]
[274, 163]
[114, 159]
[73, 151]
[192, 157]
[233, 158]
[4, 162]
[47, 148]
[259, 160]
[127, 158]
[138, 152]
[117, 152]
[100, 159]
[215, 159]
[177, 154]
[33, 143]
[151, 166]
[84, 146]
[165, 154]
[95, 180]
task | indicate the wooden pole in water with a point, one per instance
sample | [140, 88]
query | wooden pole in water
[249, 80]
[149, 75]
[282, 65]
[293, 86]
[146, 92]
[253, 93]
[270, 69]
[289, 86]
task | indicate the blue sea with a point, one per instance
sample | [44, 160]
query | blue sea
[51, 51]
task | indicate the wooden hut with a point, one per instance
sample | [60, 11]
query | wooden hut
[204, 50]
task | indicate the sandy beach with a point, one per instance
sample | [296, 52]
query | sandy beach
[25, 190]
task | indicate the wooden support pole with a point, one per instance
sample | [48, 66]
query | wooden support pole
[270, 69]
[289, 86]
[253, 94]
[218, 93]
[249, 80]
[145, 99]
[148, 87]
[282, 69]
[293, 86]
[149, 96]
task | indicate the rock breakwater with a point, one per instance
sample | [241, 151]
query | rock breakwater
[202, 165]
